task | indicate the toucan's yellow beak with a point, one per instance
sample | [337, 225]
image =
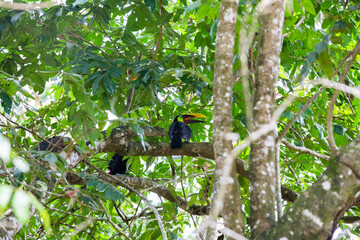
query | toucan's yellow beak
[193, 115]
[135, 77]
[187, 117]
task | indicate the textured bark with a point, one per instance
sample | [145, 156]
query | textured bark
[315, 214]
[9, 225]
[222, 123]
[161, 149]
[263, 181]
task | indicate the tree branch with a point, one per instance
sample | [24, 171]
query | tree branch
[304, 150]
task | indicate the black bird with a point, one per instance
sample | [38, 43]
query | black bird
[53, 144]
[117, 164]
[180, 130]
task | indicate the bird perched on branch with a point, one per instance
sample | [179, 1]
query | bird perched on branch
[53, 144]
[117, 165]
[180, 130]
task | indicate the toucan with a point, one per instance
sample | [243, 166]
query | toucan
[117, 164]
[53, 144]
[180, 130]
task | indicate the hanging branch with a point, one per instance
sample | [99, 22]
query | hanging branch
[131, 92]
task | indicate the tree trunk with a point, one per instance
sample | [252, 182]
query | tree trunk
[225, 183]
[263, 180]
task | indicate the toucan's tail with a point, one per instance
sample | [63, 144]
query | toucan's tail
[176, 141]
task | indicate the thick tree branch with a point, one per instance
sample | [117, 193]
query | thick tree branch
[204, 150]
[132, 148]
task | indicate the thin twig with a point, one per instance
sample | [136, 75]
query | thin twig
[294, 174]
[84, 40]
[72, 213]
[307, 104]
[111, 222]
[281, 136]
[289, 161]
[131, 92]
[330, 114]
[299, 22]
[305, 150]
[160, 33]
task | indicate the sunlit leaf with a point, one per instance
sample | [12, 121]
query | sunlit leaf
[21, 203]
[6, 193]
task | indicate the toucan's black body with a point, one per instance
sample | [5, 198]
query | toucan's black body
[53, 144]
[117, 164]
[180, 130]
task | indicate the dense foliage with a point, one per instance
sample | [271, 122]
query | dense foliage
[81, 67]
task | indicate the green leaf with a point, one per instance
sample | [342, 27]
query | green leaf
[150, 4]
[109, 84]
[6, 193]
[339, 129]
[96, 82]
[53, 31]
[192, 200]
[171, 161]
[6, 102]
[129, 38]
[90, 201]
[325, 64]
[43, 213]
[198, 40]
[320, 131]
[101, 187]
[192, 7]
[174, 236]
[117, 104]
[179, 102]
[92, 183]
[16, 17]
[131, 22]
[289, 8]
[21, 206]
[149, 161]
[42, 131]
[203, 11]
[51, 158]
[10, 66]
[140, 132]
[213, 30]
[172, 191]
[118, 196]
[308, 6]
[164, 19]
[109, 193]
